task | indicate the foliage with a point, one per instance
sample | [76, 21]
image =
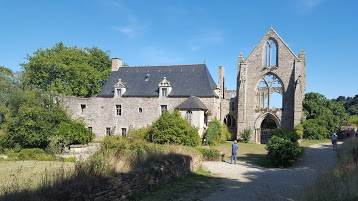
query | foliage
[69, 159]
[35, 154]
[283, 148]
[32, 119]
[246, 135]
[74, 133]
[350, 104]
[68, 70]
[170, 128]
[314, 129]
[140, 134]
[217, 133]
[324, 116]
[210, 154]
[299, 130]
[353, 120]
[95, 165]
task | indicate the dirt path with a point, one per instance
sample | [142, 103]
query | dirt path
[248, 182]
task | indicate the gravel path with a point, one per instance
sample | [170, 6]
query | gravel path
[248, 182]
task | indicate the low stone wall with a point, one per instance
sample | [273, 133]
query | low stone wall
[124, 185]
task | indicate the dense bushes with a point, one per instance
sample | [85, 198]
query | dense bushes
[210, 154]
[283, 148]
[217, 133]
[246, 135]
[170, 128]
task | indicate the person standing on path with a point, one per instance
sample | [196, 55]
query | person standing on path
[234, 149]
[334, 139]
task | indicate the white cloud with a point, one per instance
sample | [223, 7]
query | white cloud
[128, 31]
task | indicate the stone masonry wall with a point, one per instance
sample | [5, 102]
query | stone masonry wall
[122, 186]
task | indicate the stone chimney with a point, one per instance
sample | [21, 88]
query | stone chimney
[116, 64]
[221, 81]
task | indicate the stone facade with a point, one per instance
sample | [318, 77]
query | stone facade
[271, 68]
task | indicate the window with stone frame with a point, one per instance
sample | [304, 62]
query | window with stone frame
[83, 109]
[124, 132]
[162, 108]
[119, 92]
[119, 110]
[108, 131]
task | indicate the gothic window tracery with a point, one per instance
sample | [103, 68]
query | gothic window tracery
[269, 92]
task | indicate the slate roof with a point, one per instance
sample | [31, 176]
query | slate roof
[142, 81]
[192, 102]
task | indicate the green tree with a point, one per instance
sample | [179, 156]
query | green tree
[34, 117]
[68, 70]
[323, 116]
[171, 128]
[217, 133]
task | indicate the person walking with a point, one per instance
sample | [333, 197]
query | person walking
[334, 139]
[234, 150]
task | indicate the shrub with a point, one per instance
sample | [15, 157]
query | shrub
[140, 134]
[74, 133]
[216, 133]
[299, 130]
[95, 165]
[35, 154]
[170, 128]
[210, 154]
[283, 148]
[69, 159]
[246, 135]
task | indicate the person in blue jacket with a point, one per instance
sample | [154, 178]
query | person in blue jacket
[234, 150]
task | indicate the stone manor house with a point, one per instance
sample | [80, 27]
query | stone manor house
[135, 96]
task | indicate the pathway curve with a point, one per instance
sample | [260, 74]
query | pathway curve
[248, 182]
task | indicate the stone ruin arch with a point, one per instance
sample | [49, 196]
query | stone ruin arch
[271, 57]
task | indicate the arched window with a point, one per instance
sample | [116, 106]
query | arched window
[270, 53]
[269, 92]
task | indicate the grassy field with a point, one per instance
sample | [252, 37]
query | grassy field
[248, 152]
[29, 174]
[307, 143]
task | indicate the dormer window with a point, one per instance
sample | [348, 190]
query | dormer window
[164, 88]
[164, 92]
[119, 89]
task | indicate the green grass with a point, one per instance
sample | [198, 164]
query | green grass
[17, 175]
[248, 152]
[307, 143]
[194, 186]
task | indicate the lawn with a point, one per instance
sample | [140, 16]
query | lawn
[248, 152]
[16, 175]
[307, 143]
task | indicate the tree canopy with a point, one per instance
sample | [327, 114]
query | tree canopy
[323, 116]
[350, 103]
[68, 70]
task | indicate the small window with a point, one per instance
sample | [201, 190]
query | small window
[108, 131]
[119, 110]
[164, 92]
[124, 132]
[90, 129]
[119, 92]
[140, 110]
[163, 107]
[83, 109]
[188, 116]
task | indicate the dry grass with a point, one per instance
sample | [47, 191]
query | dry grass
[19, 175]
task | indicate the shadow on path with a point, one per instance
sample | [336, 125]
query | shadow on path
[244, 181]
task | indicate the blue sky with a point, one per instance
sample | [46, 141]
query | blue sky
[160, 32]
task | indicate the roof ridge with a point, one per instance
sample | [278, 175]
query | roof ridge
[163, 65]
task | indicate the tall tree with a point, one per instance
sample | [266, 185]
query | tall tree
[323, 116]
[68, 70]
